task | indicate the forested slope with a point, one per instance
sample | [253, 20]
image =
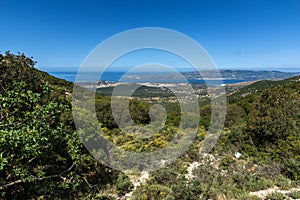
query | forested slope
[42, 156]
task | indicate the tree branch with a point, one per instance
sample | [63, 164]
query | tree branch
[39, 179]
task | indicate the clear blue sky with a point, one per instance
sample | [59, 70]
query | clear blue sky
[236, 33]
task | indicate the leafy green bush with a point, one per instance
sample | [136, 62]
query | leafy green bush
[41, 155]
[152, 192]
[227, 161]
[123, 184]
[258, 183]
[277, 196]
[282, 182]
[294, 195]
[292, 169]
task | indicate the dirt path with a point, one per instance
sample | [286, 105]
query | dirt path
[136, 180]
[192, 166]
[264, 193]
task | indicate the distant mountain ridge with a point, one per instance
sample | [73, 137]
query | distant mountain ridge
[247, 75]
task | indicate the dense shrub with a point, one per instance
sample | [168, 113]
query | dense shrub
[277, 196]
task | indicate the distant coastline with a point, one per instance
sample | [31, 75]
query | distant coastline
[210, 77]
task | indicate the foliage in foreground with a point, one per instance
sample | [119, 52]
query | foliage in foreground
[41, 154]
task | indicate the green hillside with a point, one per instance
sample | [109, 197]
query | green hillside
[259, 86]
[42, 156]
[17, 68]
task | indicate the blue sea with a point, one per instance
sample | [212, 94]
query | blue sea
[87, 76]
[114, 76]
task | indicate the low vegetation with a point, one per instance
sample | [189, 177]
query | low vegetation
[42, 156]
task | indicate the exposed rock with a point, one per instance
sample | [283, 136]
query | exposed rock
[264, 193]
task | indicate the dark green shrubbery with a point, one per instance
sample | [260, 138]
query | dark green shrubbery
[123, 184]
[277, 196]
[294, 195]
[42, 156]
[149, 192]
